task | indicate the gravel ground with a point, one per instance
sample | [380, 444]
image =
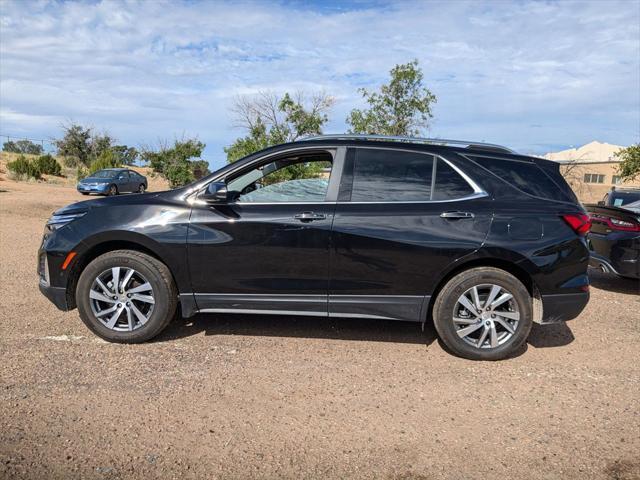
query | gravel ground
[267, 397]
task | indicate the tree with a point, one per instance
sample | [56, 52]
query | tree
[270, 120]
[22, 146]
[402, 107]
[98, 144]
[81, 145]
[107, 159]
[176, 163]
[75, 145]
[126, 155]
[629, 157]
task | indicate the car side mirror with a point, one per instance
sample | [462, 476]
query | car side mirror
[601, 203]
[216, 192]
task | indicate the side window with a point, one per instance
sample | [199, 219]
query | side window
[123, 176]
[449, 184]
[381, 175]
[524, 176]
[297, 179]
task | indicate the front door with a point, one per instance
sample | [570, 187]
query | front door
[267, 249]
[402, 218]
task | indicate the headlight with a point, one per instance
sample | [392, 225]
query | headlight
[57, 221]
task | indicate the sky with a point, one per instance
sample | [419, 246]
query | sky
[535, 76]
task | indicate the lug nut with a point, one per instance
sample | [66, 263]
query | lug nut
[128, 295]
[115, 298]
[119, 305]
[493, 315]
[128, 304]
[487, 323]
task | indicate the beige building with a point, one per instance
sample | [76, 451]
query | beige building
[591, 170]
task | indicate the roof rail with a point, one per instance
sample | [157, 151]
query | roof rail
[391, 138]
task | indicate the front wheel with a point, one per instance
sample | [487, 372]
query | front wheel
[483, 314]
[113, 190]
[126, 296]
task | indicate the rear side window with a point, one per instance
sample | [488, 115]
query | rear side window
[527, 177]
[449, 184]
[381, 175]
[391, 176]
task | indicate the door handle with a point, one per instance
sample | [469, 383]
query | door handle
[456, 215]
[309, 216]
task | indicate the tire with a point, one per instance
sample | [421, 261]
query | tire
[128, 327]
[84, 193]
[455, 323]
[113, 190]
[141, 188]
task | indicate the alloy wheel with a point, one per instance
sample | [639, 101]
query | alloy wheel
[122, 299]
[486, 316]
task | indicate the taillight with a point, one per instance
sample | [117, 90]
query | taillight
[579, 222]
[617, 224]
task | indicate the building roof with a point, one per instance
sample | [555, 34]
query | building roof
[593, 152]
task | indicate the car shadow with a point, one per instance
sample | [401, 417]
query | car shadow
[613, 283]
[352, 329]
[549, 336]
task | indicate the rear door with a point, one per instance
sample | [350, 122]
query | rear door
[402, 218]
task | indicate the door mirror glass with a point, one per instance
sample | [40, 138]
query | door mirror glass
[216, 192]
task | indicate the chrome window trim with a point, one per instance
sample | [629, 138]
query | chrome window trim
[467, 197]
[339, 153]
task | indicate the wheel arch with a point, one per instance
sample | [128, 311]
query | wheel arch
[507, 265]
[99, 247]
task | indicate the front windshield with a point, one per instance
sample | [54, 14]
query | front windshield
[104, 174]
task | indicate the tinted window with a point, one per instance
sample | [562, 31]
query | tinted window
[391, 176]
[449, 184]
[524, 176]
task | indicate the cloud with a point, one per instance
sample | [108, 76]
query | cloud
[157, 69]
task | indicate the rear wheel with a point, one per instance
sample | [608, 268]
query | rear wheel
[113, 190]
[483, 314]
[141, 188]
[126, 296]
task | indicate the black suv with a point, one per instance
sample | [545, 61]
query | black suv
[480, 239]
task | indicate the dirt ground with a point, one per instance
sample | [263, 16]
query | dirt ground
[268, 397]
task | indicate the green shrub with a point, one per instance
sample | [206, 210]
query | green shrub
[48, 165]
[24, 168]
[106, 160]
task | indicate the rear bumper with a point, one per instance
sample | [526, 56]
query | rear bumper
[562, 307]
[57, 295]
[626, 268]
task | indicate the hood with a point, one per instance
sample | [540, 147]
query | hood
[106, 202]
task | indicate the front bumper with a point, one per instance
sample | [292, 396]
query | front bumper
[82, 188]
[57, 295]
[563, 306]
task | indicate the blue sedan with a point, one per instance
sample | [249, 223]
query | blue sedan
[112, 181]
